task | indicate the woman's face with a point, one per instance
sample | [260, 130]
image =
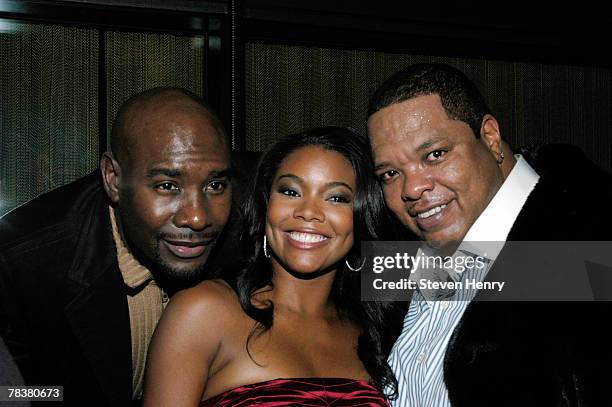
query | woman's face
[309, 223]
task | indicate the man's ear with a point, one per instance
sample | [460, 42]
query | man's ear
[491, 136]
[111, 176]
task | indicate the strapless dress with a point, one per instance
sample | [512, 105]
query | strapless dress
[313, 391]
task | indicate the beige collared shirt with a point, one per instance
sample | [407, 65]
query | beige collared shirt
[146, 301]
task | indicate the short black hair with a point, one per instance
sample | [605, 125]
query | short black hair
[459, 95]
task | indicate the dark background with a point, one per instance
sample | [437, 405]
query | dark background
[274, 67]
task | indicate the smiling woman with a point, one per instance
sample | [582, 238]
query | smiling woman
[310, 213]
[293, 329]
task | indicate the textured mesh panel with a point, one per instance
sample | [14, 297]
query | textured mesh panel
[48, 117]
[291, 88]
[49, 104]
[139, 61]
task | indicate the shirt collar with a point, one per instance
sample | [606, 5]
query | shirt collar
[134, 274]
[494, 223]
[487, 236]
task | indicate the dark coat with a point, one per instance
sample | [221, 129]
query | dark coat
[63, 305]
[10, 376]
[64, 308]
[541, 353]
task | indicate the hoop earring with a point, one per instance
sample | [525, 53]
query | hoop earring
[355, 269]
[265, 247]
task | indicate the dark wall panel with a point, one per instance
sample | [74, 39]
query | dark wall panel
[48, 117]
[139, 61]
[59, 99]
[291, 88]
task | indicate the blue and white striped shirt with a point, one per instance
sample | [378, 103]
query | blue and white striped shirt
[417, 357]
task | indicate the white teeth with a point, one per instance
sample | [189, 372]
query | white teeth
[431, 212]
[306, 237]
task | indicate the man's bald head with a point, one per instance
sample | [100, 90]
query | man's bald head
[139, 110]
[168, 180]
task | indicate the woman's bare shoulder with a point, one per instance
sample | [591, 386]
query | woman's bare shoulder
[194, 329]
[208, 298]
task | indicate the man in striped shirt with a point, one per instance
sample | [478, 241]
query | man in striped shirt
[452, 180]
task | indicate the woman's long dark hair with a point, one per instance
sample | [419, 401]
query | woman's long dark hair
[369, 217]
